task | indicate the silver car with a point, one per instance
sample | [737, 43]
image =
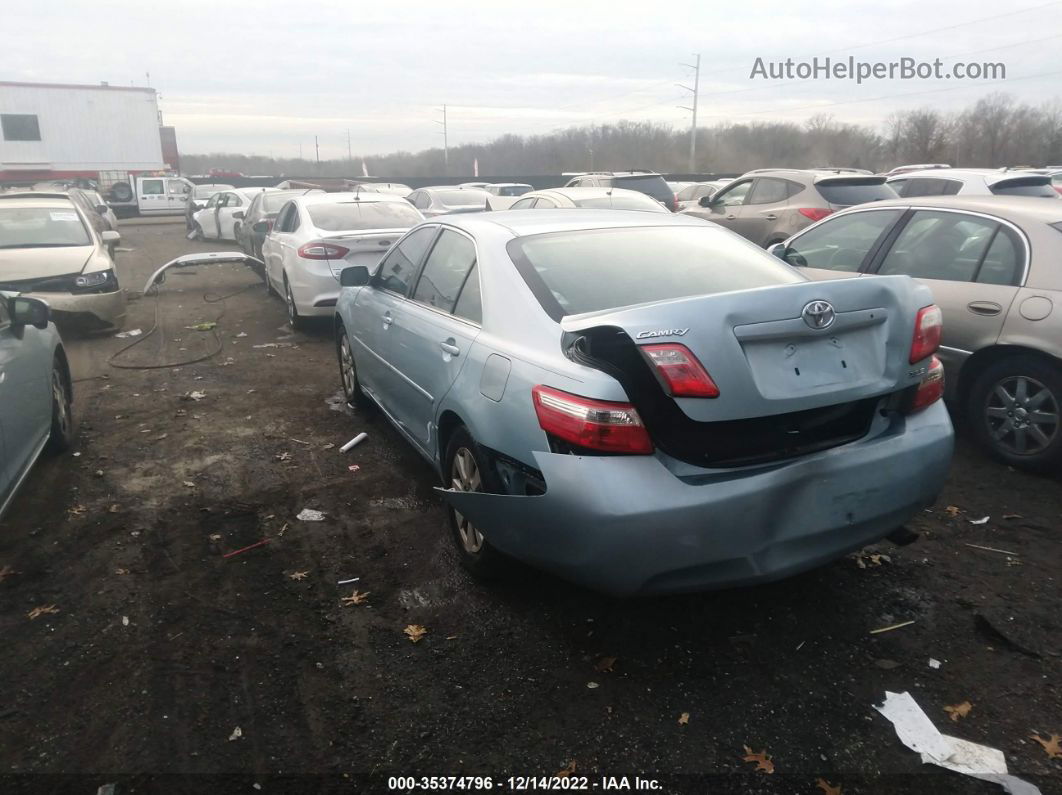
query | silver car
[993, 266]
[35, 390]
[447, 199]
[644, 402]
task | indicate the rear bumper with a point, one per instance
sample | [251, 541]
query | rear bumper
[315, 288]
[626, 524]
[92, 310]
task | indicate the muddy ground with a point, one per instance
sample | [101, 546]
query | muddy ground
[163, 650]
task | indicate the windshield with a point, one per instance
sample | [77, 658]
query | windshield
[41, 227]
[273, 201]
[622, 201]
[598, 269]
[206, 191]
[649, 184]
[348, 216]
[461, 198]
[855, 191]
[513, 190]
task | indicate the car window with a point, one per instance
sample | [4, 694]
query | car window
[940, 245]
[949, 187]
[1025, 186]
[545, 204]
[284, 219]
[513, 190]
[858, 190]
[768, 191]
[398, 267]
[733, 196]
[623, 201]
[588, 270]
[151, 187]
[689, 193]
[841, 243]
[470, 302]
[5, 318]
[357, 215]
[523, 204]
[421, 200]
[703, 190]
[1003, 262]
[235, 200]
[41, 227]
[445, 270]
[176, 188]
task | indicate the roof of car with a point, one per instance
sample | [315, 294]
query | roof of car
[509, 184]
[38, 199]
[580, 192]
[810, 175]
[1029, 208]
[989, 175]
[533, 222]
[352, 196]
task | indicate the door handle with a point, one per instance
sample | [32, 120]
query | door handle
[730, 216]
[771, 217]
[987, 308]
[387, 319]
[449, 347]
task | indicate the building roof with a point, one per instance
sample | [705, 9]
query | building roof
[97, 87]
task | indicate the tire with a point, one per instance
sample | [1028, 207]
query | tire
[62, 433]
[475, 474]
[1015, 411]
[121, 192]
[296, 321]
[348, 370]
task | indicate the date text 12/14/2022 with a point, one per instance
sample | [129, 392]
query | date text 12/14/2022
[566, 782]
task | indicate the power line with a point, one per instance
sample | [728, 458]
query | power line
[446, 141]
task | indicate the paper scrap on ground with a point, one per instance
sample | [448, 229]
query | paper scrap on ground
[135, 332]
[917, 732]
[310, 515]
[982, 520]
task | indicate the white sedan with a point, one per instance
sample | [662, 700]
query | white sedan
[224, 213]
[317, 235]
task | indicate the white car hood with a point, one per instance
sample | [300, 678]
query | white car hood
[17, 264]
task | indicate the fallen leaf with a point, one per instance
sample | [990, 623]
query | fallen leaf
[959, 710]
[207, 326]
[684, 719]
[827, 787]
[1051, 746]
[121, 572]
[189, 484]
[982, 520]
[282, 456]
[215, 536]
[77, 510]
[161, 436]
[298, 575]
[353, 468]
[37, 612]
[6, 572]
[359, 598]
[415, 632]
[605, 664]
[871, 560]
[115, 508]
[762, 760]
[567, 770]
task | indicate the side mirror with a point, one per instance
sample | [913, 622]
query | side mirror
[262, 227]
[354, 276]
[705, 201]
[110, 236]
[238, 214]
[28, 312]
[102, 209]
[778, 250]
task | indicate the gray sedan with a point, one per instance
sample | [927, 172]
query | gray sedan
[35, 390]
[647, 403]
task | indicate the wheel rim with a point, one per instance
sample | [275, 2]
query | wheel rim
[62, 406]
[346, 366]
[464, 476]
[292, 312]
[1022, 415]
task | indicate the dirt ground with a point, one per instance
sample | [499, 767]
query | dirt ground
[170, 667]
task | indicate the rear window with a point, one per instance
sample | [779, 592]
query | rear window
[461, 198]
[622, 201]
[650, 184]
[348, 216]
[205, 191]
[272, 202]
[847, 192]
[41, 227]
[514, 190]
[598, 269]
[1025, 186]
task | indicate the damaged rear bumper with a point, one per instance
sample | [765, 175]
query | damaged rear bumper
[627, 524]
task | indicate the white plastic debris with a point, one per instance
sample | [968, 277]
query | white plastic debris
[134, 332]
[125, 621]
[242, 334]
[917, 732]
[310, 515]
[347, 582]
[934, 664]
[355, 441]
[237, 733]
[982, 520]
[196, 395]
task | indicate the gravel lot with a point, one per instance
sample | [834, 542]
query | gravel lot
[172, 668]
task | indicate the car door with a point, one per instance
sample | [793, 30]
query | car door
[25, 405]
[758, 218]
[220, 212]
[841, 246]
[226, 221]
[177, 192]
[376, 309]
[151, 195]
[429, 343]
[207, 217]
[972, 263]
[725, 207]
[279, 246]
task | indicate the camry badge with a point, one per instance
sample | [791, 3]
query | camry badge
[664, 332]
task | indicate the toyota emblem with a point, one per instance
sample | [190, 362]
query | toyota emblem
[819, 314]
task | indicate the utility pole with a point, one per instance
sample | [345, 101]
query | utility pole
[696, 67]
[446, 142]
[349, 155]
[317, 149]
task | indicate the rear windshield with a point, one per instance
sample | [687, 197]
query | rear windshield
[349, 216]
[649, 184]
[1025, 186]
[598, 269]
[621, 201]
[41, 227]
[461, 198]
[205, 191]
[855, 191]
[272, 202]
[514, 190]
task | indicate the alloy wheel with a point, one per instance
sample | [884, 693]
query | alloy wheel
[1022, 415]
[465, 476]
[293, 313]
[61, 403]
[346, 366]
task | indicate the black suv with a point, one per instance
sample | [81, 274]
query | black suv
[648, 182]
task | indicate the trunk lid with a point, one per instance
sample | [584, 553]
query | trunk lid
[363, 248]
[762, 353]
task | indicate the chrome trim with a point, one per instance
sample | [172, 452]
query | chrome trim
[406, 378]
[958, 351]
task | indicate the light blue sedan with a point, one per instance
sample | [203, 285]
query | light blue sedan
[35, 390]
[647, 403]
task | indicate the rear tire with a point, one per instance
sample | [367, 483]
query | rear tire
[465, 468]
[1015, 410]
[348, 370]
[296, 321]
[62, 433]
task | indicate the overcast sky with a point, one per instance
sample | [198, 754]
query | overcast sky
[264, 77]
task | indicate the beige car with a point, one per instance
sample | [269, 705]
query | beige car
[993, 264]
[768, 205]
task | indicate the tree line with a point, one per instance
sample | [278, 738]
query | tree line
[995, 131]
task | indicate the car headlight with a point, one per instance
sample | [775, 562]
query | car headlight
[95, 281]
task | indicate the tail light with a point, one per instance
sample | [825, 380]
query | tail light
[674, 203]
[928, 325]
[814, 213]
[320, 250]
[931, 389]
[680, 372]
[594, 424]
